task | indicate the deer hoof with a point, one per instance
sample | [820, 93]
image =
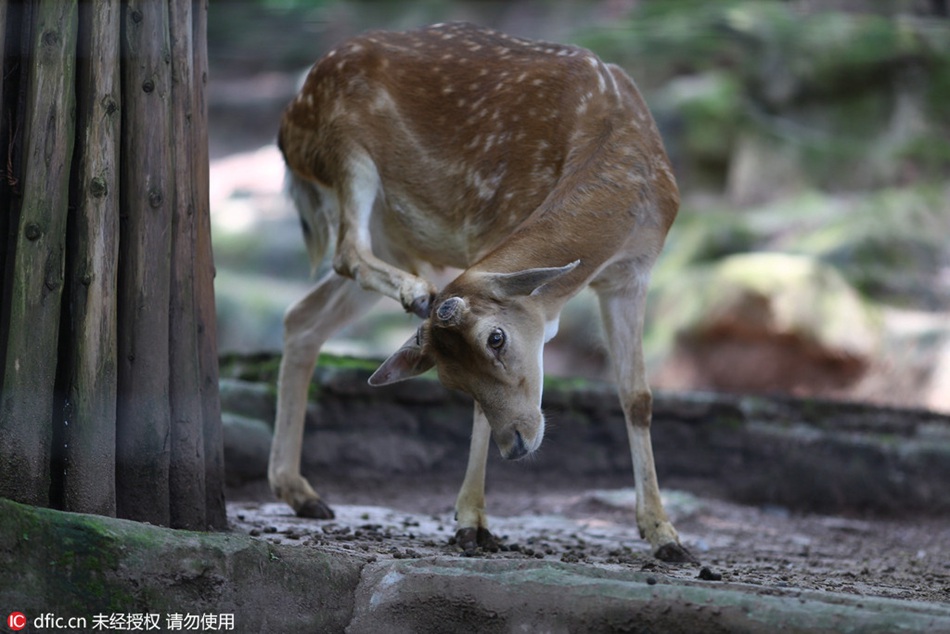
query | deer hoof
[674, 553]
[420, 306]
[471, 539]
[316, 510]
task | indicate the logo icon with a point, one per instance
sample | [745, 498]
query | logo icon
[16, 621]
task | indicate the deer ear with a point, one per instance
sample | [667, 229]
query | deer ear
[405, 363]
[529, 281]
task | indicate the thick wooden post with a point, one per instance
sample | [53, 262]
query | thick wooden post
[108, 394]
[143, 431]
[33, 311]
[204, 282]
[187, 475]
[88, 427]
[5, 211]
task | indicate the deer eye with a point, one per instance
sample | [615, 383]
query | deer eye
[496, 339]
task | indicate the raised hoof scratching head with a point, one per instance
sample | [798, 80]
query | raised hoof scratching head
[420, 306]
[316, 510]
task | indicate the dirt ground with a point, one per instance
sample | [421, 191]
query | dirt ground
[593, 523]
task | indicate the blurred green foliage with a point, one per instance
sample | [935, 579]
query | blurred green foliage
[860, 96]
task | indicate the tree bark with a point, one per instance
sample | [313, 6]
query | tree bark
[26, 408]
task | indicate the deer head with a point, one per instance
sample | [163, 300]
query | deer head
[485, 335]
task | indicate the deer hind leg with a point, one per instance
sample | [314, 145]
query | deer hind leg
[470, 505]
[622, 309]
[354, 256]
[332, 303]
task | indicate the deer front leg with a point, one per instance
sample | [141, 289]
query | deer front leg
[308, 323]
[470, 505]
[622, 309]
[652, 521]
[354, 255]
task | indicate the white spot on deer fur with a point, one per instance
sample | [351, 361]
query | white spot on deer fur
[522, 76]
[485, 188]
[610, 78]
[537, 82]
[382, 100]
[596, 65]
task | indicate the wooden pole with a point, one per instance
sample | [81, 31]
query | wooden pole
[187, 475]
[147, 193]
[108, 395]
[5, 202]
[90, 345]
[26, 409]
[216, 514]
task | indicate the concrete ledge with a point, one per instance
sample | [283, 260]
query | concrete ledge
[505, 596]
[74, 565]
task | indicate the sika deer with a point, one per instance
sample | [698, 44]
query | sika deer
[534, 167]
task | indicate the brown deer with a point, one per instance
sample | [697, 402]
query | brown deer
[536, 169]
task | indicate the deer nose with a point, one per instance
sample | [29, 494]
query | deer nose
[518, 448]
